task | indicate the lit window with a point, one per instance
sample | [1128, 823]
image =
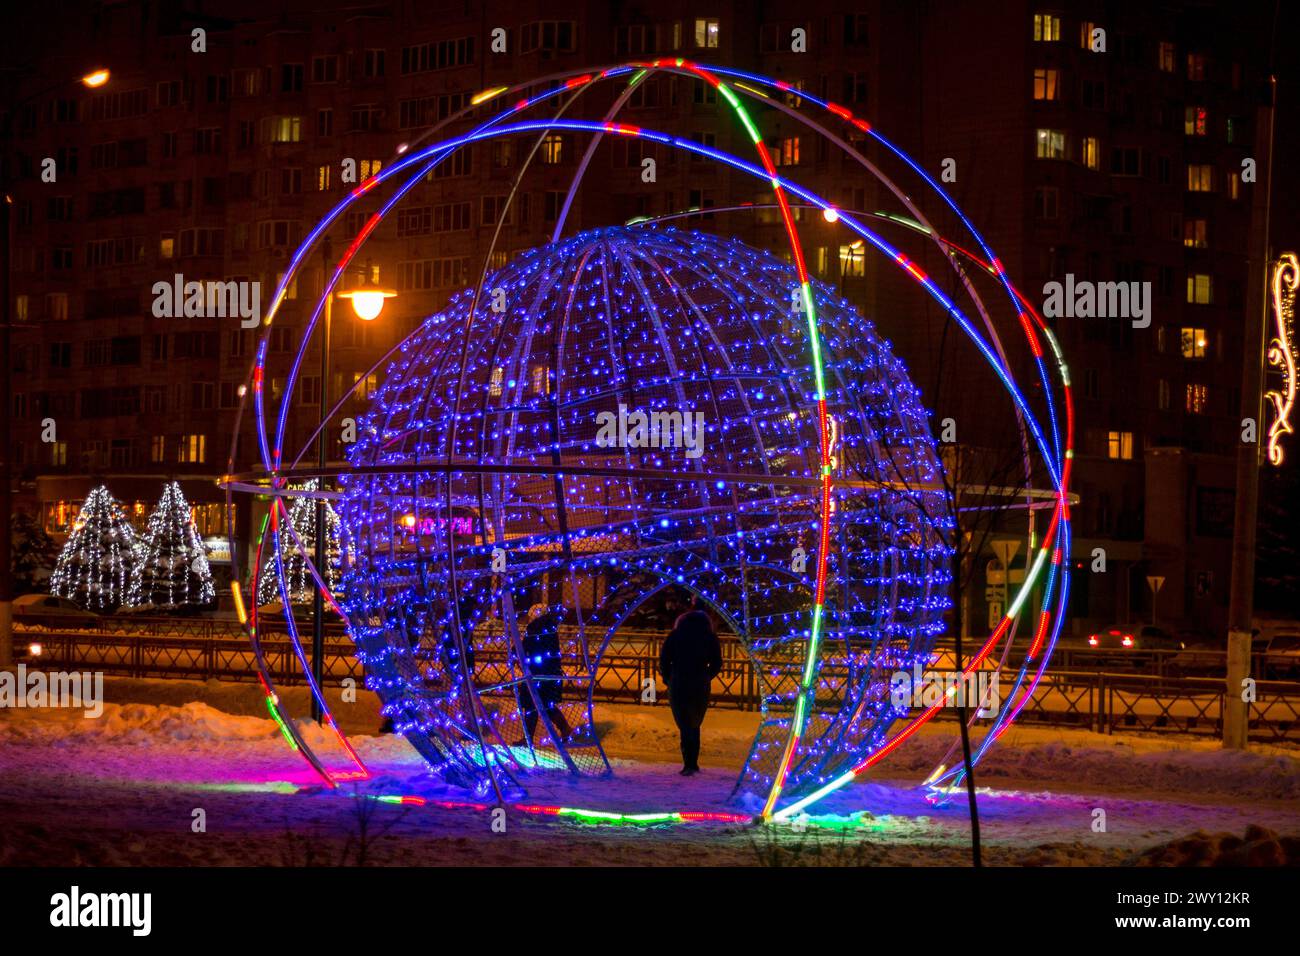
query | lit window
[20, 308]
[1198, 398]
[1234, 187]
[1050, 144]
[57, 306]
[541, 379]
[193, 449]
[1085, 34]
[292, 291]
[323, 178]
[158, 449]
[369, 167]
[1195, 234]
[283, 129]
[1162, 394]
[1092, 152]
[1166, 57]
[853, 259]
[59, 453]
[706, 34]
[1200, 178]
[364, 387]
[1046, 84]
[553, 150]
[788, 153]
[1195, 121]
[1200, 289]
[494, 384]
[1195, 343]
[1120, 445]
[1196, 66]
[1047, 28]
[166, 247]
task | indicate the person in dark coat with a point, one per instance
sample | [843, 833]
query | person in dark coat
[543, 663]
[690, 659]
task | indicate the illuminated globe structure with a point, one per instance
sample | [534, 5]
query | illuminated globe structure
[636, 408]
[490, 474]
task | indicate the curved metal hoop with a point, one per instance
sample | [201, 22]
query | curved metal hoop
[1051, 551]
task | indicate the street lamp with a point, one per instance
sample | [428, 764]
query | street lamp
[367, 302]
[95, 79]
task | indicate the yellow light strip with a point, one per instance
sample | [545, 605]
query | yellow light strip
[1281, 352]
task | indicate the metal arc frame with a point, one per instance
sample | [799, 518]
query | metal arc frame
[1050, 554]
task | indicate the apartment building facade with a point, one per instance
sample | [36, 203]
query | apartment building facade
[1119, 165]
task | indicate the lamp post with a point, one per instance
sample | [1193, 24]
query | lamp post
[1241, 586]
[367, 302]
[93, 80]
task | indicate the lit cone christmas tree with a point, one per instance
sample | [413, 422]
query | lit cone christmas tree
[302, 516]
[173, 568]
[94, 568]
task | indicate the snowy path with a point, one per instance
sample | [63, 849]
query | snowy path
[122, 790]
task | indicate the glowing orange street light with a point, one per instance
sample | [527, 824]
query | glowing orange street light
[367, 300]
[96, 79]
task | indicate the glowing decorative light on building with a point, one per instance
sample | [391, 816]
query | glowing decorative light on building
[1282, 352]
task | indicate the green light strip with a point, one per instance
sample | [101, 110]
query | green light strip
[612, 817]
[748, 123]
[279, 722]
[811, 311]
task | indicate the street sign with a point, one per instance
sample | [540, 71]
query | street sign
[995, 615]
[1155, 582]
[1006, 550]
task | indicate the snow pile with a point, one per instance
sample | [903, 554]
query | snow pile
[1259, 847]
[140, 725]
[120, 790]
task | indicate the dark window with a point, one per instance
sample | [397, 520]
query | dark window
[291, 78]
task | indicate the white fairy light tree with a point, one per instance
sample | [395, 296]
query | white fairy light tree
[301, 586]
[94, 568]
[173, 568]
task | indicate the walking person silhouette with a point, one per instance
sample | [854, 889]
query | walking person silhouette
[691, 657]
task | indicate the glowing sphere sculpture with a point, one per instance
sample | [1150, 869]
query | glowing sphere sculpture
[623, 411]
[638, 407]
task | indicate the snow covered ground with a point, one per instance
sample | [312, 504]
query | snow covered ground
[123, 790]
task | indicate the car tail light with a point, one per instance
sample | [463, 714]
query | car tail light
[1127, 641]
